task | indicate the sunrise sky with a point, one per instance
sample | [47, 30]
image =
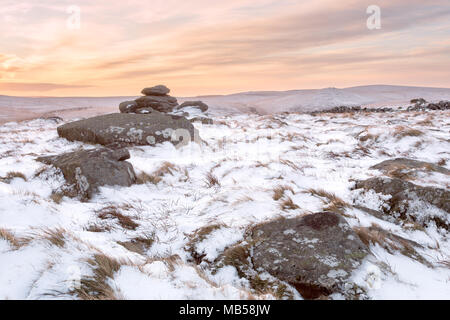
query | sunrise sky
[215, 47]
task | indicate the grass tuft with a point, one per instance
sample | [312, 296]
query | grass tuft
[138, 245]
[211, 180]
[402, 131]
[97, 287]
[279, 191]
[288, 204]
[199, 236]
[13, 240]
[332, 202]
[156, 176]
[113, 212]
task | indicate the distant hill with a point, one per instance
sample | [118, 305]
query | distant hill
[19, 108]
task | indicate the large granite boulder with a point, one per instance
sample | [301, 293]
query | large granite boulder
[130, 129]
[159, 90]
[87, 170]
[315, 253]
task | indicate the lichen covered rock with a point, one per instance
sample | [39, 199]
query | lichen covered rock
[130, 129]
[87, 170]
[315, 253]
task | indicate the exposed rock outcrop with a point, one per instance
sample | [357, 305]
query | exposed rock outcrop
[130, 129]
[315, 253]
[87, 170]
[156, 99]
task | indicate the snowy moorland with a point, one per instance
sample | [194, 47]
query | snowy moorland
[163, 238]
[264, 102]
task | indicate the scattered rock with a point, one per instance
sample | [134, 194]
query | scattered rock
[315, 253]
[203, 120]
[419, 101]
[55, 119]
[196, 104]
[130, 129]
[422, 105]
[352, 109]
[89, 169]
[159, 90]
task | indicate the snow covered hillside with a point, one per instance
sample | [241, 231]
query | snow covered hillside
[264, 102]
[164, 238]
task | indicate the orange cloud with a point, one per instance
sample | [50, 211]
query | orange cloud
[200, 47]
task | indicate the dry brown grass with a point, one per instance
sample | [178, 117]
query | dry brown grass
[279, 191]
[96, 227]
[243, 199]
[328, 142]
[236, 256]
[402, 131]
[401, 172]
[288, 204]
[56, 237]
[199, 236]
[156, 176]
[170, 261]
[96, 287]
[57, 197]
[332, 202]
[13, 240]
[389, 241]
[139, 245]
[16, 174]
[291, 164]
[294, 136]
[10, 175]
[211, 180]
[113, 212]
[445, 263]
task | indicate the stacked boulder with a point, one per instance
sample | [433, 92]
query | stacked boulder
[157, 100]
[148, 120]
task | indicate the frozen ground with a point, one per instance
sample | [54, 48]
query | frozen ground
[203, 198]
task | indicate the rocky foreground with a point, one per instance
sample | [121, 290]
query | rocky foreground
[334, 205]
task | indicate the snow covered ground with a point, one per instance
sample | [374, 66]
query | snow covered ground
[204, 198]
